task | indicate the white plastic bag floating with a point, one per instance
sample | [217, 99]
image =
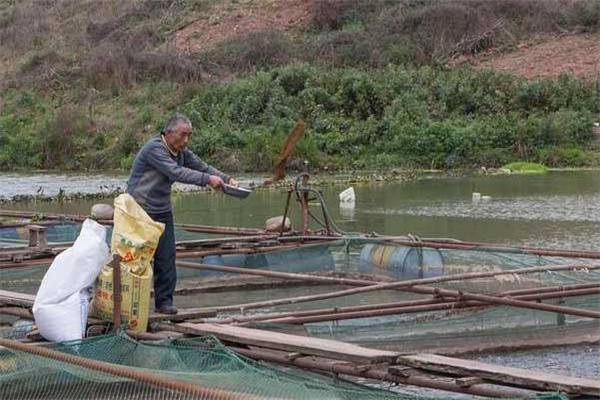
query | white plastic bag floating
[60, 307]
[347, 196]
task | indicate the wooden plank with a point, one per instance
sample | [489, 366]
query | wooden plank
[291, 343]
[536, 380]
[183, 314]
[21, 312]
[16, 299]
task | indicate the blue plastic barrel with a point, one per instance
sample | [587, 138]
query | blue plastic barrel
[229, 260]
[308, 259]
[401, 261]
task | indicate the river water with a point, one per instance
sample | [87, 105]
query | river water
[555, 209]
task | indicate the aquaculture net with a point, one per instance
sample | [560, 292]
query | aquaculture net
[451, 330]
[460, 329]
[200, 361]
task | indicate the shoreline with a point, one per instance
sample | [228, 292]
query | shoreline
[254, 181]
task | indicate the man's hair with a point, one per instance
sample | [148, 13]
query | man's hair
[175, 120]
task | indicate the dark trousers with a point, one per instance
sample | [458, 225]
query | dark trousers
[165, 273]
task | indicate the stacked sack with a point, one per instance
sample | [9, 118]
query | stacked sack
[135, 238]
[61, 304]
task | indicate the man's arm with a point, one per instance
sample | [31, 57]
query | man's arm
[190, 160]
[160, 159]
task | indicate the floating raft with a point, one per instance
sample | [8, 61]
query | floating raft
[485, 297]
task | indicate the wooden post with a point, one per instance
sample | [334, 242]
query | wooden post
[116, 264]
[38, 236]
[304, 200]
[285, 212]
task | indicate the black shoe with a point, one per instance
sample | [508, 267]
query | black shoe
[168, 310]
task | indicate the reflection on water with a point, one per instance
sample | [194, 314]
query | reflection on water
[347, 212]
[559, 363]
[546, 208]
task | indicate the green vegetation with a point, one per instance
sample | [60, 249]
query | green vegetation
[397, 116]
[521, 166]
[371, 79]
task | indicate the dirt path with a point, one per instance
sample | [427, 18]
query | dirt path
[576, 54]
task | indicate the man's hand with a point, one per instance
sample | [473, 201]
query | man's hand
[233, 182]
[215, 181]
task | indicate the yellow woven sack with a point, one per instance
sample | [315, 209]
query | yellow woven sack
[135, 238]
[135, 235]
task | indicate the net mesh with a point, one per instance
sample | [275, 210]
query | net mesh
[201, 361]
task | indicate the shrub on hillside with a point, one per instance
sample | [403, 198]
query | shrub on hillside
[358, 96]
[334, 14]
[345, 49]
[115, 68]
[587, 13]
[293, 78]
[61, 139]
[440, 30]
[25, 25]
[257, 50]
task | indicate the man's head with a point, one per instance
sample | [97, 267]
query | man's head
[178, 131]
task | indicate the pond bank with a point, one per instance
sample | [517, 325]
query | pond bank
[49, 186]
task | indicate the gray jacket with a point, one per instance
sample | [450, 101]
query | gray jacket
[155, 169]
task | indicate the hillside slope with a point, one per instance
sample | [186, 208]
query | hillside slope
[83, 84]
[575, 54]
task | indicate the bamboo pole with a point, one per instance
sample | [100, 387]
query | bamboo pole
[508, 301]
[17, 311]
[368, 286]
[81, 218]
[228, 230]
[538, 251]
[251, 250]
[116, 265]
[272, 317]
[442, 305]
[373, 285]
[46, 257]
[285, 212]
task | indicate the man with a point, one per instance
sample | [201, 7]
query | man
[165, 159]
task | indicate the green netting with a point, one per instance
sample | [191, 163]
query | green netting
[200, 360]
